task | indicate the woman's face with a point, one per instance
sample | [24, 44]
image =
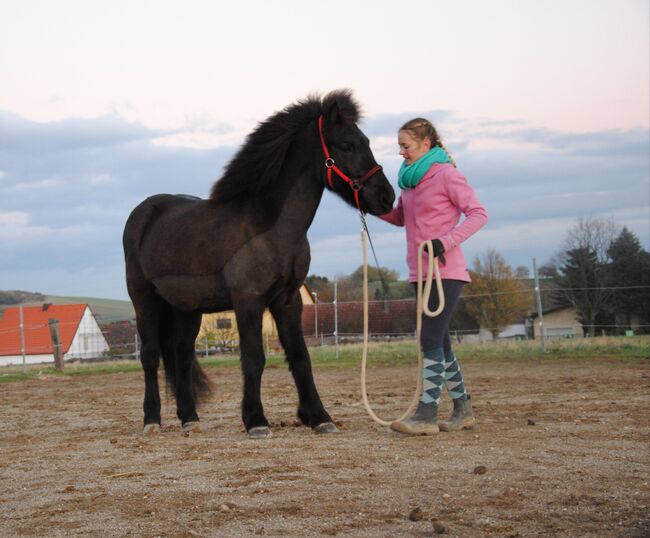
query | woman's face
[411, 148]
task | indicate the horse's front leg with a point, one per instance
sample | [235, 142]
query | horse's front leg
[287, 315]
[249, 311]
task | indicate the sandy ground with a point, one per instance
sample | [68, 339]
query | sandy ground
[564, 447]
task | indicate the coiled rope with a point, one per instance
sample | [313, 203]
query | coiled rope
[422, 307]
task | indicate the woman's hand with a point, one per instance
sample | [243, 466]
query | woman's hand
[438, 249]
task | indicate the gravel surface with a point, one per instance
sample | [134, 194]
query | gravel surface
[561, 448]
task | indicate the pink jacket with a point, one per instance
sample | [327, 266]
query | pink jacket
[432, 211]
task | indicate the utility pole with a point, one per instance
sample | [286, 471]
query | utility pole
[315, 297]
[22, 337]
[538, 296]
[336, 319]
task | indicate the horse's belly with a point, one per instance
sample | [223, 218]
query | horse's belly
[204, 293]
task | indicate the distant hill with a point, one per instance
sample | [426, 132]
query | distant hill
[105, 310]
[11, 297]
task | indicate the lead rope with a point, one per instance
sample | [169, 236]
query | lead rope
[422, 307]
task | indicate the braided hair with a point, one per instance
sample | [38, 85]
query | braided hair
[421, 128]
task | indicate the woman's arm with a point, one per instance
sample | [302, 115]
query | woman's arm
[396, 216]
[465, 199]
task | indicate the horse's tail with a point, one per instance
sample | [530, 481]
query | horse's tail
[201, 385]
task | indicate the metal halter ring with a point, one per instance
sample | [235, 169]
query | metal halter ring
[355, 185]
[329, 162]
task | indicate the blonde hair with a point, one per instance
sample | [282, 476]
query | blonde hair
[420, 129]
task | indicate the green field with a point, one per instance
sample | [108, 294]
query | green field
[105, 310]
[395, 353]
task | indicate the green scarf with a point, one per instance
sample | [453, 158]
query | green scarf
[409, 175]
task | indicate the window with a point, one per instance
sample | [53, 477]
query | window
[223, 323]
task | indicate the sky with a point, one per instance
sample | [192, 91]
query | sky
[544, 106]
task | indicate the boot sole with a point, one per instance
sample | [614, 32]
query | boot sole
[465, 424]
[425, 429]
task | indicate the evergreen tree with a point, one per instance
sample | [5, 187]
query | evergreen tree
[581, 281]
[629, 268]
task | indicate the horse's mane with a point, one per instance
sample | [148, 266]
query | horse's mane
[259, 161]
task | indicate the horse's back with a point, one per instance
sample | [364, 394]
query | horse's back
[176, 235]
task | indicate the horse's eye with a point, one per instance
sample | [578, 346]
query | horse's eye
[346, 147]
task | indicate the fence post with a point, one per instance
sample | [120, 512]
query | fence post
[22, 338]
[136, 351]
[538, 296]
[336, 319]
[56, 344]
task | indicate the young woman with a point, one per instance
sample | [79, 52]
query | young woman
[434, 195]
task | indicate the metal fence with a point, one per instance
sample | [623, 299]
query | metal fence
[323, 323]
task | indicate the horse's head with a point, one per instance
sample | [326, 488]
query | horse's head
[351, 168]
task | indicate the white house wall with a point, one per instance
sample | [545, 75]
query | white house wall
[88, 341]
[9, 360]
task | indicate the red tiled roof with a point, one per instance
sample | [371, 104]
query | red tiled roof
[36, 329]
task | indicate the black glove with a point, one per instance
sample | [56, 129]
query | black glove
[438, 249]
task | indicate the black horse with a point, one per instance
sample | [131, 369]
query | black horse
[245, 248]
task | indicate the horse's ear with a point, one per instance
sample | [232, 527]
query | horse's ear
[334, 114]
[340, 107]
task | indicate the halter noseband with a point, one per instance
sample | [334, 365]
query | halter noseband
[355, 184]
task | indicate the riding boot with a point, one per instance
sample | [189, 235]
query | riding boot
[423, 422]
[461, 417]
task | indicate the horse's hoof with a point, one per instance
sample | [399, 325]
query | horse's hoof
[151, 429]
[259, 432]
[326, 427]
[191, 427]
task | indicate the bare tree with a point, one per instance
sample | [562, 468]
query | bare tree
[582, 265]
[593, 233]
[495, 298]
[522, 272]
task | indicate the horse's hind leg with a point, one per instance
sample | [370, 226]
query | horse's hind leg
[148, 313]
[186, 328]
[287, 314]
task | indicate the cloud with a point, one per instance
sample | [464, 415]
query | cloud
[67, 187]
[25, 136]
[388, 124]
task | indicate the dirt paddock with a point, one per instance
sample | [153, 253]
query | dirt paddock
[561, 449]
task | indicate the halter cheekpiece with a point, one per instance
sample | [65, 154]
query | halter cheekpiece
[355, 184]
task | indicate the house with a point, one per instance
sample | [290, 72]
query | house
[559, 322]
[79, 334]
[516, 331]
[220, 328]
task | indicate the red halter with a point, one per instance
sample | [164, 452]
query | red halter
[355, 184]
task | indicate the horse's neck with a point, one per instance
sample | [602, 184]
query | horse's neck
[300, 205]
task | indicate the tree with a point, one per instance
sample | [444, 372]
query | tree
[322, 286]
[629, 269]
[383, 283]
[522, 272]
[583, 276]
[579, 283]
[548, 270]
[594, 233]
[495, 298]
